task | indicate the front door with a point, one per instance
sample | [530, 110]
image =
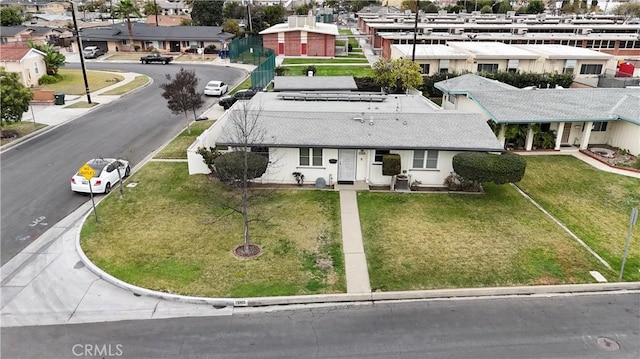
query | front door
[174, 46]
[566, 132]
[346, 166]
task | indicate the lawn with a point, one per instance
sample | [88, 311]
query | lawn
[23, 128]
[329, 70]
[177, 149]
[170, 234]
[126, 56]
[428, 241]
[73, 83]
[138, 81]
[595, 205]
[337, 60]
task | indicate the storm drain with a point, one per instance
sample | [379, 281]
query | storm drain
[608, 344]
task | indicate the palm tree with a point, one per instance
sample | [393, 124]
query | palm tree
[53, 59]
[124, 10]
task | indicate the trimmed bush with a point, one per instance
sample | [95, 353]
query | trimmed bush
[229, 167]
[485, 167]
[49, 79]
[391, 165]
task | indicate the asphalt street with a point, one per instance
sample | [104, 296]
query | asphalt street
[35, 190]
[566, 326]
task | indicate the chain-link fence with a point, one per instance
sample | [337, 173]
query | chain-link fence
[249, 50]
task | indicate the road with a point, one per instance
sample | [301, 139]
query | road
[519, 327]
[35, 190]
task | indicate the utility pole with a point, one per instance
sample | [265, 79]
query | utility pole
[79, 42]
[415, 32]
[155, 10]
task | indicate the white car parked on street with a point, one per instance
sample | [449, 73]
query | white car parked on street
[216, 88]
[106, 175]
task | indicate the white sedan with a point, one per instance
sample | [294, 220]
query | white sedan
[216, 88]
[106, 175]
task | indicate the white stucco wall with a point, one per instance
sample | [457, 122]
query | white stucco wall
[624, 135]
[207, 139]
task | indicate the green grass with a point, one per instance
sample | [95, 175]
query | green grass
[170, 234]
[595, 205]
[82, 104]
[126, 56]
[427, 241]
[246, 84]
[177, 149]
[337, 60]
[73, 82]
[355, 71]
[139, 81]
[22, 128]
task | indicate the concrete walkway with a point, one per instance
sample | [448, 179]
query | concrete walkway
[355, 261]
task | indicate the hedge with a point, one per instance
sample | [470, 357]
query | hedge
[485, 167]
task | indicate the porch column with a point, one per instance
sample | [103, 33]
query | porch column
[585, 136]
[559, 134]
[503, 128]
[529, 145]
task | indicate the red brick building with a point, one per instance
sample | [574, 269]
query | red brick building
[301, 36]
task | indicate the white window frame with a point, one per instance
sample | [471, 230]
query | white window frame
[312, 156]
[428, 159]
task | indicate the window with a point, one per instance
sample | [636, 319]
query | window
[444, 66]
[599, 126]
[592, 69]
[311, 157]
[35, 68]
[425, 159]
[487, 67]
[425, 68]
[125, 42]
[569, 65]
[379, 155]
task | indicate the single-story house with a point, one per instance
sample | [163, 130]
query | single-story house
[36, 34]
[27, 62]
[162, 38]
[579, 117]
[314, 83]
[342, 137]
[301, 36]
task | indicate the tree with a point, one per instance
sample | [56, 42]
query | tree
[273, 14]
[186, 22]
[238, 167]
[486, 9]
[504, 7]
[396, 76]
[10, 16]
[535, 7]
[15, 97]
[303, 9]
[207, 13]
[181, 94]
[628, 9]
[152, 8]
[53, 59]
[233, 10]
[426, 6]
[124, 10]
[230, 26]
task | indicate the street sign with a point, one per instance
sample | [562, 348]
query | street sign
[87, 172]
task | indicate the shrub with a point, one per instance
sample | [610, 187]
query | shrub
[636, 164]
[280, 71]
[49, 79]
[136, 48]
[229, 167]
[209, 155]
[485, 167]
[391, 165]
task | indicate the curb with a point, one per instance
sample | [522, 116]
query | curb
[353, 297]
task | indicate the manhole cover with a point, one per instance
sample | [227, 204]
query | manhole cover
[608, 344]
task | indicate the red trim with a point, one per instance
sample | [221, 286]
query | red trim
[588, 153]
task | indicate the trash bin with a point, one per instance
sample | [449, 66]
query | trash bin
[59, 98]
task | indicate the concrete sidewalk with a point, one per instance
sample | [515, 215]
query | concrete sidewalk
[355, 261]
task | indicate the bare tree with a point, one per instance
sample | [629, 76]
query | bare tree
[181, 94]
[236, 168]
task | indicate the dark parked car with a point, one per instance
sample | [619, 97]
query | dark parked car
[227, 101]
[156, 57]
